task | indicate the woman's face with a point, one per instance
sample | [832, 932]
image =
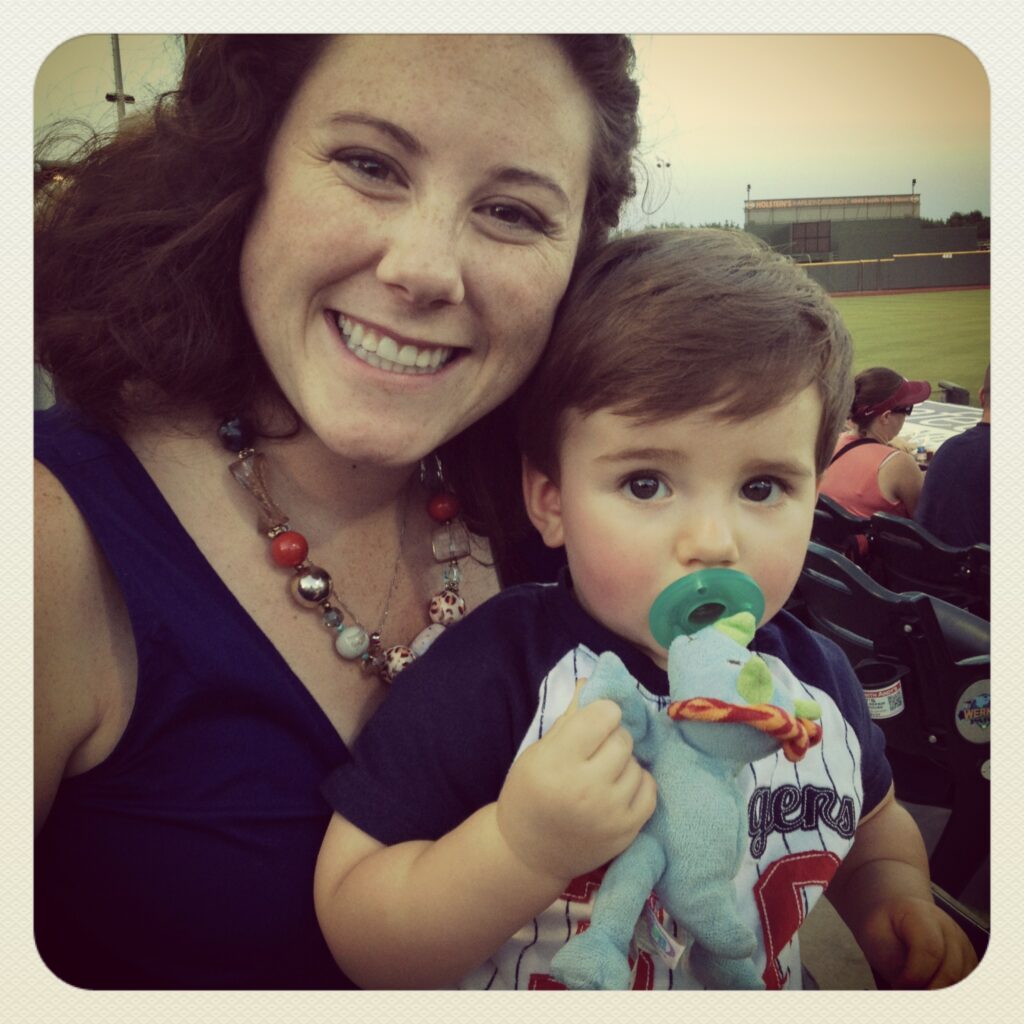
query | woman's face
[888, 424]
[422, 207]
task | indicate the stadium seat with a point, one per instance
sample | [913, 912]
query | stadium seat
[981, 573]
[840, 530]
[953, 393]
[905, 556]
[924, 664]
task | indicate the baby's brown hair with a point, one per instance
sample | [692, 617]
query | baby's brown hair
[665, 322]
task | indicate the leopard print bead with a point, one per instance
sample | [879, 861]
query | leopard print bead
[446, 607]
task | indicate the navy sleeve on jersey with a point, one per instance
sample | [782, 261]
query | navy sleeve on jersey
[440, 745]
[818, 659]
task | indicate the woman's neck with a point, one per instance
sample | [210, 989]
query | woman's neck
[868, 430]
[317, 479]
[304, 476]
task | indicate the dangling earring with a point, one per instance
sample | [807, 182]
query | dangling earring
[450, 541]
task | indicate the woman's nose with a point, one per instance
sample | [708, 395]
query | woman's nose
[706, 539]
[422, 261]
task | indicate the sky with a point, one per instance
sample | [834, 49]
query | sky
[811, 115]
[788, 115]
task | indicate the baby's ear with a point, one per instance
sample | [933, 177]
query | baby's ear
[543, 499]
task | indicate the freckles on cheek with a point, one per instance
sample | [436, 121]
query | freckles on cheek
[524, 297]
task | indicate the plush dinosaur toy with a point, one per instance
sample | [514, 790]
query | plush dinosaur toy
[726, 711]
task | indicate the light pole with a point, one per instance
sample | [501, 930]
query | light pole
[118, 95]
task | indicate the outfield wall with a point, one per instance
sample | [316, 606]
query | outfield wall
[911, 271]
[867, 239]
[886, 255]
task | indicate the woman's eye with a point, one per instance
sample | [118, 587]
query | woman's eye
[368, 166]
[645, 488]
[762, 489]
[515, 218]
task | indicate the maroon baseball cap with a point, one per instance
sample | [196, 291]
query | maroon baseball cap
[910, 392]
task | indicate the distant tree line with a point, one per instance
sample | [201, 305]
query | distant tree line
[666, 225]
[962, 220]
[732, 225]
[954, 220]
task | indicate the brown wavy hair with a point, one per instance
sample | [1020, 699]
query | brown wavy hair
[137, 300]
[662, 323]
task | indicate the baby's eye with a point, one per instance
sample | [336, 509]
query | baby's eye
[763, 489]
[646, 488]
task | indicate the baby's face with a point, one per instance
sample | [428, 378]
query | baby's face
[639, 505]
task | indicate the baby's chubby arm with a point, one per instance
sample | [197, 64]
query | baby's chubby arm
[422, 914]
[883, 893]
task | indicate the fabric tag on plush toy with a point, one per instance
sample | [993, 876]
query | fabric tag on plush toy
[652, 937]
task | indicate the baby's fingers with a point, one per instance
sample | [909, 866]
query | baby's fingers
[959, 959]
[630, 801]
[938, 952]
[925, 950]
[645, 797]
[630, 786]
[583, 732]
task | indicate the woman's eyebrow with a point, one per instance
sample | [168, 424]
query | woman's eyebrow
[405, 139]
[524, 176]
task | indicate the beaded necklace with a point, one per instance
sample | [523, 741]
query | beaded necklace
[312, 586]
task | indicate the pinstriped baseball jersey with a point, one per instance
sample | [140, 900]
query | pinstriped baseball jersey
[444, 739]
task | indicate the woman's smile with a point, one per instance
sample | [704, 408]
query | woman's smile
[389, 352]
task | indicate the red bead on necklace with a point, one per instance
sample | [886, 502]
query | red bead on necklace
[288, 549]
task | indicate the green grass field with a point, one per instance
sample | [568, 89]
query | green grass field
[928, 336]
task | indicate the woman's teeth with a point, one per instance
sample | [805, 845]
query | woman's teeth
[383, 352]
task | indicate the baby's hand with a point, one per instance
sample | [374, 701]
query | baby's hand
[577, 797]
[914, 944]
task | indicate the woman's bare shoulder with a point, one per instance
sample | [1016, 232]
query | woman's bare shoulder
[900, 479]
[84, 650]
[67, 559]
[901, 463]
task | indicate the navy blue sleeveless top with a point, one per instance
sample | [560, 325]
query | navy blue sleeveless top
[185, 859]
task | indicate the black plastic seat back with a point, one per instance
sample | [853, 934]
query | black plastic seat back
[871, 624]
[937, 724]
[839, 529]
[981, 576]
[905, 556]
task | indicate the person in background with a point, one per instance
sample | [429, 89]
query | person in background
[955, 501]
[323, 263]
[868, 473]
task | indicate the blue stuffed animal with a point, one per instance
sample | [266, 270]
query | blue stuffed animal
[726, 712]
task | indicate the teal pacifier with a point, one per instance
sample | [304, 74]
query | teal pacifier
[703, 597]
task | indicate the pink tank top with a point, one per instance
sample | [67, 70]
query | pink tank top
[852, 480]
